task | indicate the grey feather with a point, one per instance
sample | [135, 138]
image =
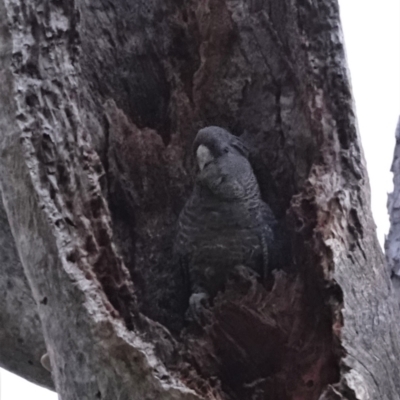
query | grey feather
[224, 223]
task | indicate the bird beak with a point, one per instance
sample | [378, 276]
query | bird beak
[204, 156]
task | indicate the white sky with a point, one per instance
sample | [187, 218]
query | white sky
[372, 36]
[12, 387]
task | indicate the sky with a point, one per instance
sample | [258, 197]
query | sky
[372, 40]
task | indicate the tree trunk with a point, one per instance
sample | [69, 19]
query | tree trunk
[392, 248]
[99, 105]
[21, 337]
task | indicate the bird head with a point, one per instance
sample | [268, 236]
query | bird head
[213, 142]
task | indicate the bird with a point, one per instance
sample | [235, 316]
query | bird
[224, 223]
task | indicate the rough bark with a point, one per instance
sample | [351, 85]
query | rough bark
[392, 248]
[99, 106]
[21, 337]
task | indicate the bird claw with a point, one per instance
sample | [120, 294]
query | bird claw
[198, 303]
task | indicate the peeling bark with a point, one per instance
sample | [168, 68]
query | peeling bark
[99, 106]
